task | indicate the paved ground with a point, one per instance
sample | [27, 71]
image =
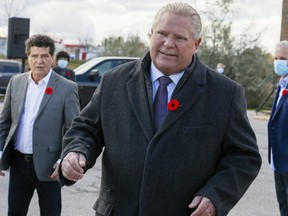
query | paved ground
[78, 200]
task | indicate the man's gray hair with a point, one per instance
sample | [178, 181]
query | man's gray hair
[182, 9]
[281, 44]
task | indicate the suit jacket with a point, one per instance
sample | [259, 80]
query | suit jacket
[277, 134]
[53, 119]
[205, 147]
[67, 73]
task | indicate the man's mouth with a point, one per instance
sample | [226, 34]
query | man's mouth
[167, 54]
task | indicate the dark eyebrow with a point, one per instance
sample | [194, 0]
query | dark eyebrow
[280, 58]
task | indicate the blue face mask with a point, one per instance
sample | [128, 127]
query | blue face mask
[220, 70]
[62, 63]
[281, 67]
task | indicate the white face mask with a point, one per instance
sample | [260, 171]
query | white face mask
[62, 63]
[281, 67]
[220, 70]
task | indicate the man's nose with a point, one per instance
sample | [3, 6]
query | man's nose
[169, 41]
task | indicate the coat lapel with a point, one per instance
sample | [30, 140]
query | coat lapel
[21, 95]
[280, 104]
[53, 82]
[139, 89]
[141, 100]
[189, 89]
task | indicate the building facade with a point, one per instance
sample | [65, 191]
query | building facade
[284, 21]
[3, 46]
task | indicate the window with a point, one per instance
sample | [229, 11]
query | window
[8, 67]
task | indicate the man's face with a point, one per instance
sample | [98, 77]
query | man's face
[281, 54]
[172, 44]
[40, 61]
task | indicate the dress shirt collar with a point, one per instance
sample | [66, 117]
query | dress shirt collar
[45, 80]
[155, 74]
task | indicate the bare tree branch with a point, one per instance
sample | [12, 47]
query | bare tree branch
[14, 7]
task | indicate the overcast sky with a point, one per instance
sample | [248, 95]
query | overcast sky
[73, 19]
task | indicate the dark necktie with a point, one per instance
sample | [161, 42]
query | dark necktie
[161, 101]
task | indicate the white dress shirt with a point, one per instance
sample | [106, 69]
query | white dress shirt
[23, 139]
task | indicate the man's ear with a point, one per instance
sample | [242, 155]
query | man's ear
[150, 33]
[198, 42]
[54, 61]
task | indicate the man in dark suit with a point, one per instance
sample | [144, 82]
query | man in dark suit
[38, 108]
[198, 161]
[62, 60]
[277, 128]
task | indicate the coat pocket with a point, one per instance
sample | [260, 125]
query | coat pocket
[105, 203]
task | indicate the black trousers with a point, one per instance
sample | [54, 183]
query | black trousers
[281, 184]
[22, 184]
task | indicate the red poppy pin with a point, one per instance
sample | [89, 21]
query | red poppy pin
[68, 73]
[284, 92]
[173, 105]
[48, 90]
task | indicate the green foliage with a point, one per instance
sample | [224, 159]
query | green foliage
[245, 62]
[75, 63]
[117, 46]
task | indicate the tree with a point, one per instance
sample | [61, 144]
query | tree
[134, 46]
[113, 46]
[117, 46]
[217, 39]
[245, 62]
[14, 7]
[87, 43]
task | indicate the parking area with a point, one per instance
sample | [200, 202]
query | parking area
[259, 200]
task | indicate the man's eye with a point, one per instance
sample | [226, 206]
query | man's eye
[180, 38]
[160, 33]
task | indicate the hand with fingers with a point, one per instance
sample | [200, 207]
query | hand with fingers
[203, 207]
[54, 173]
[72, 166]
